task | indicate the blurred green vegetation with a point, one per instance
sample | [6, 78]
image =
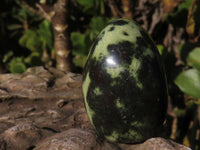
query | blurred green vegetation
[27, 40]
[81, 42]
[33, 36]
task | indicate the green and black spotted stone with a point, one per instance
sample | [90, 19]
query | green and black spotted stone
[124, 85]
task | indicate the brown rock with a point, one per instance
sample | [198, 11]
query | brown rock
[8, 76]
[75, 139]
[27, 86]
[4, 126]
[155, 144]
[2, 144]
[56, 111]
[72, 139]
[41, 83]
[22, 136]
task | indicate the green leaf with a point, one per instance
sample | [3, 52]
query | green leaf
[92, 7]
[17, 65]
[197, 102]
[20, 14]
[96, 25]
[80, 49]
[7, 56]
[40, 39]
[45, 33]
[189, 82]
[34, 59]
[79, 60]
[179, 18]
[78, 42]
[179, 112]
[31, 41]
[161, 49]
[193, 58]
[185, 5]
[14, 26]
[193, 21]
[102, 6]
[86, 3]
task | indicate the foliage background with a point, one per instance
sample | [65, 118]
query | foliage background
[27, 40]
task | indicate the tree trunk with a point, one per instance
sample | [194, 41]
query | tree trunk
[61, 36]
[58, 15]
[114, 9]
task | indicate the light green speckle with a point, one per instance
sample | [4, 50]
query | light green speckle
[133, 134]
[113, 83]
[119, 104]
[90, 113]
[114, 72]
[113, 137]
[148, 52]
[136, 124]
[114, 37]
[134, 67]
[97, 91]
[102, 129]
[85, 86]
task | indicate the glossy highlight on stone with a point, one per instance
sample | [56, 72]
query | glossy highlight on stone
[124, 85]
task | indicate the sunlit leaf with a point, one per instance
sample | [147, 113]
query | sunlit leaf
[170, 5]
[179, 17]
[193, 22]
[161, 49]
[186, 141]
[189, 82]
[193, 58]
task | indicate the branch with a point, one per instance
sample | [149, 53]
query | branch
[156, 18]
[116, 13]
[29, 7]
[45, 14]
[42, 12]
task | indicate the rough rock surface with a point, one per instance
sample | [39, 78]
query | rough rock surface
[42, 109]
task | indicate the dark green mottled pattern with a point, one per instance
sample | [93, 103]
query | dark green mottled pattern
[124, 111]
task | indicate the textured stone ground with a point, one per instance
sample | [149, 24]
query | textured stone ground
[42, 109]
